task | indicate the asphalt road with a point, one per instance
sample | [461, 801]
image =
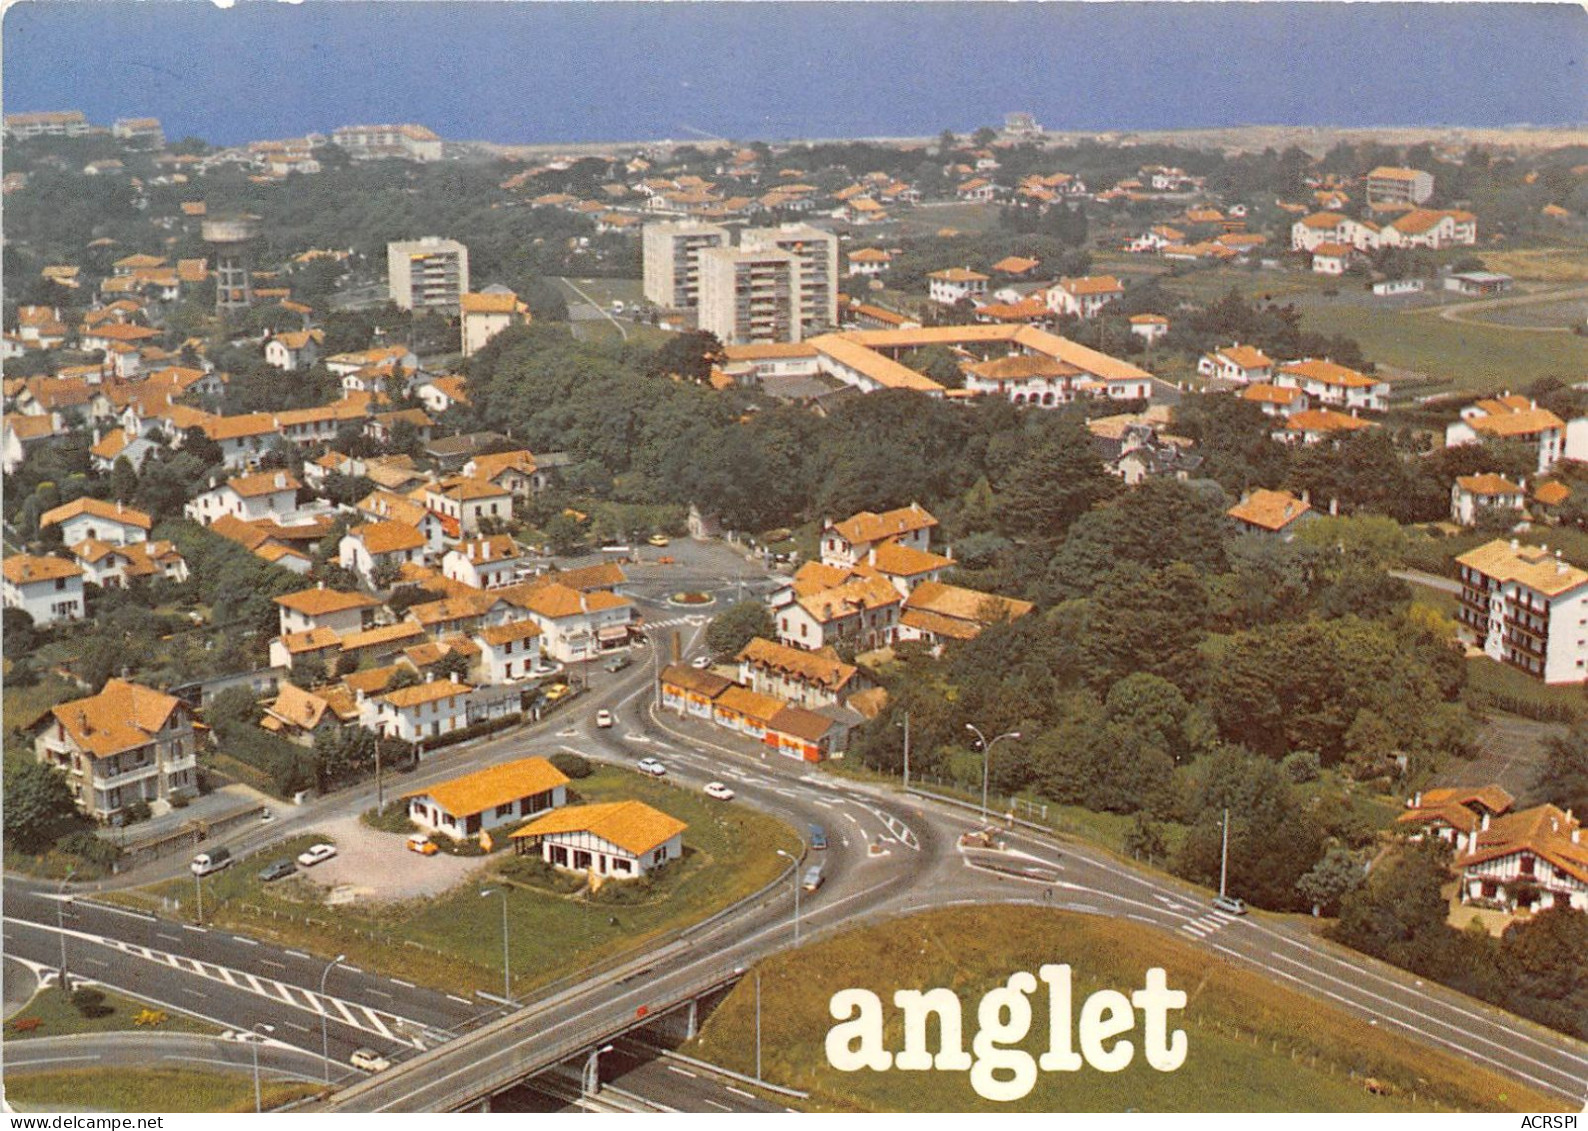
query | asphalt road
[889, 854]
[277, 1061]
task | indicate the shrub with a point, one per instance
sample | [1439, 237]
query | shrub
[86, 846]
[138, 811]
[573, 765]
[1302, 766]
[90, 1003]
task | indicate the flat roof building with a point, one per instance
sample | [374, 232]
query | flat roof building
[427, 274]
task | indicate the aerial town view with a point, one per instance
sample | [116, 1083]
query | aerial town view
[771, 557]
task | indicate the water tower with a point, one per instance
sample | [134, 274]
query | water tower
[232, 239]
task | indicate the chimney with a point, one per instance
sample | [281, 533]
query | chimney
[281, 480]
[430, 677]
[1334, 508]
[1306, 497]
[1515, 545]
[1485, 826]
[1417, 799]
[454, 677]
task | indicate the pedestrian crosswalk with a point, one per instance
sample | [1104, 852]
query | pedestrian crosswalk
[1204, 925]
[676, 622]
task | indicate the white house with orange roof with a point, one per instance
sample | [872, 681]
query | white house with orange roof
[1276, 401]
[487, 562]
[322, 608]
[869, 262]
[1525, 607]
[467, 502]
[517, 471]
[807, 679]
[1332, 258]
[1273, 513]
[1451, 814]
[1530, 860]
[936, 613]
[1149, 327]
[1471, 495]
[952, 284]
[87, 518]
[848, 542]
[862, 612]
[509, 652]
[1425, 227]
[618, 839]
[1316, 425]
[419, 712]
[488, 799]
[48, 589]
[577, 626]
[294, 349]
[1243, 365]
[1518, 419]
[1085, 296]
[486, 314]
[368, 547]
[1333, 227]
[267, 494]
[1333, 385]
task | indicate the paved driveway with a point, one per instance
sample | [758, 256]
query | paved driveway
[374, 866]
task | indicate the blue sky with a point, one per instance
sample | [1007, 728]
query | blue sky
[538, 72]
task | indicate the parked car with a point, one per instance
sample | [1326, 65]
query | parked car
[818, 837]
[1230, 904]
[719, 791]
[618, 663]
[813, 877]
[555, 692]
[652, 766]
[212, 861]
[422, 844]
[657, 539]
[701, 662]
[280, 870]
[603, 718]
[369, 1060]
[316, 855]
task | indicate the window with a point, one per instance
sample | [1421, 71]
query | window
[505, 810]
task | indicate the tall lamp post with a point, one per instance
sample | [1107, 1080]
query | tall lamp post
[507, 984]
[259, 1036]
[794, 861]
[986, 761]
[60, 925]
[325, 1036]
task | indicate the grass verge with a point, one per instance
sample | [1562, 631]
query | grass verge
[57, 1017]
[1253, 1044]
[146, 1090]
[454, 940]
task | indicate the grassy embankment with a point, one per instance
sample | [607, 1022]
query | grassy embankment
[454, 940]
[1253, 1044]
[57, 1017]
[146, 1090]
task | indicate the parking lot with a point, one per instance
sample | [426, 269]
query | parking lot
[374, 867]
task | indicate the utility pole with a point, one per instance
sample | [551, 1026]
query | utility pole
[907, 750]
[758, 1024]
[1224, 857]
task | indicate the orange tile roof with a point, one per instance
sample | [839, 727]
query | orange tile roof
[97, 508]
[555, 601]
[123, 716]
[1325, 420]
[867, 526]
[957, 275]
[299, 707]
[1521, 422]
[706, 683]
[24, 569]
[1013, 265]
[235, 427]
[314, 640]
[1543, 830]
[1271, 394]
[965, 604]
[319, 601]
[388, 537]
[1246, 357]
[631, 825]
[1488, 484]
[428, 692]
[1091, 285]
[497, 785]
[750, 704]
[1022, 367]
[397, 633]
[852, 596]
[26, 427]
[1532, 566]
[263, 483]
[491, 465]
[1271, 510]
[820, 668]
[507, 633]
[898, 560]
[1552, 494]
[602, 575]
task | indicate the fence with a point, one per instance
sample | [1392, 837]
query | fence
[184, 838]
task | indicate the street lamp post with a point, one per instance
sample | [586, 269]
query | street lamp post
[258, 1036]
[795, 869]
[590, 1079]
[198, 886]
[60, 925]
[507, 984]
[986, 761]
[325, 1036]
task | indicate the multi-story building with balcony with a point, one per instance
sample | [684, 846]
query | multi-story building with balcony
[1527, 608]
[750, 296]
[816, 255]
[672, 261]
[125, 745]
[1390, 185]
[428, 274]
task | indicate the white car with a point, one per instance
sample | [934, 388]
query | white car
[701, 662]
[603, 718]
[719, 791]
[369, 1060]
[316, 855]
[652, 766]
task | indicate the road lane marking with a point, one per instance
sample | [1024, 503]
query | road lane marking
[715, 1104]
[163, 935]
[245, 941]
[195, 993]
[195, 930]
[272, 962]
[737, 1092]
[682, 1071]
[463, 1000]
[297, 954]
[19, 1062]
[400, 982]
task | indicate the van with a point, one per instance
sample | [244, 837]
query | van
[813, 877]
[818, 836]
[212, 861]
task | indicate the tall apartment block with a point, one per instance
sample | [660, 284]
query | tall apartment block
[816, 253]
[1389, 184]
[427, 274]
[672, 269]
[749, 296]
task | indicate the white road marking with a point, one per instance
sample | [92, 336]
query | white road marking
[737, 1092]
[56, 1060]
[463, 1000]
[245, 941]
[270, 962]
[400, 982]
[297, 954]
[715, 1104]
[680, 1071]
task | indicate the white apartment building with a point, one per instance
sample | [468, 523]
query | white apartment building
[322, 608]
[1330, 384]
[1084, 297]
[749, 296]
[1391, 185]
[1243, 365]
[486, 314]
[415, 713]
[1332, 227]
[427, 274]
[1470, 495]
[1527, 608]
[671, 267]
[577, 626]
[1516, 418]
[952, 284]
[816, 255]
[409, 141]
[125, 745]
[47, 589]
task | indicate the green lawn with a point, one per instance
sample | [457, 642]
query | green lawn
[146, 1090]
[59, 1018]
[1511, 689]
[455, 940]
[1252, 1044]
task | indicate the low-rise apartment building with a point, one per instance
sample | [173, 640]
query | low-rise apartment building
[1526, 607]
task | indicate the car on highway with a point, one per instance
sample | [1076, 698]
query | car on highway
[603, 718]
[618, 663]
[701, 662]
[813, 877]
[318, 854]
[818, 837]
[214, 860]
[719, 791]
[369, 1060]
[280, 870]
[651, 766]
[658, 539]
[555, 692]
[1229, 904]
[422, 844]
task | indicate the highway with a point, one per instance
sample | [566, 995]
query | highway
[890, 853]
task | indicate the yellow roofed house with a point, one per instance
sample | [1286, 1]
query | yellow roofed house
[621, 839]
[488, 799]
